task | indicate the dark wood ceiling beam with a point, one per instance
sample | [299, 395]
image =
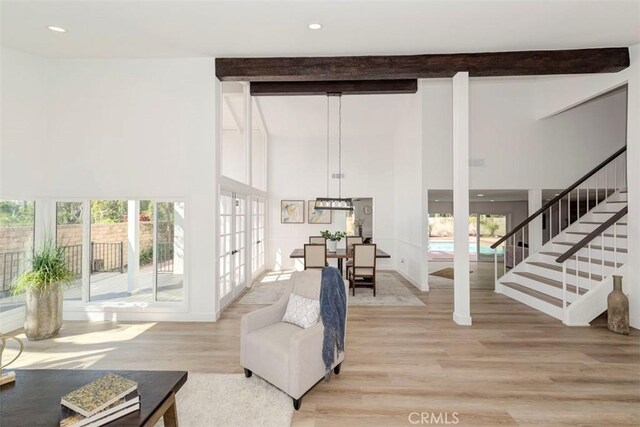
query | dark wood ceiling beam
[349, 87]
[523, 63]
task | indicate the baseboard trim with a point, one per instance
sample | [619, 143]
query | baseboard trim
[109, 315]
[411, 280]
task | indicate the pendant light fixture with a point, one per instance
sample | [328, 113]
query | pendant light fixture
[335, 203]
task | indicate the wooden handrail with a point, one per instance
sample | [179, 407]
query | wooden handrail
[559, 196]
[595, 233]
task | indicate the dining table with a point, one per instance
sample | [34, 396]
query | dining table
[339, 254]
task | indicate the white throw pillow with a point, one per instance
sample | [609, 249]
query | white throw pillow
[301, 311]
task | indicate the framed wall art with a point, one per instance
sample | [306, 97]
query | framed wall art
[292, 211]
[317, 216]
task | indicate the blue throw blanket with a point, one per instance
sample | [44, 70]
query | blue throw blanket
[333, 311]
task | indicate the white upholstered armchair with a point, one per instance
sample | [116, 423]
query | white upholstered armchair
[286, 355]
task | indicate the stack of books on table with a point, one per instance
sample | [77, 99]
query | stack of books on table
[100, 402]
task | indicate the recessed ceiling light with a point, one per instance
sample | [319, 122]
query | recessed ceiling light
[492, 200]
[315, 26]
[437, 200]
[557, 194]
[58, 29]
[480, 195]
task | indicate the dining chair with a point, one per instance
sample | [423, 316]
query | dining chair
[362, 274]
[315, 256]
[317, 240]
[351, 240]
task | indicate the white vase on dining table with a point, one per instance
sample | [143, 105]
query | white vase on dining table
[331, 245]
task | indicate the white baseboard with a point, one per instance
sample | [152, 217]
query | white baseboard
[462, 320]
[129, 316]
[411, 280]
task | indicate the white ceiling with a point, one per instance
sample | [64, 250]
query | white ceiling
[185, 28]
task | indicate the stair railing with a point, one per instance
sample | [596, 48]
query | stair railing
[603, 239]
[564, 209]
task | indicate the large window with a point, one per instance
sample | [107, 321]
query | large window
[170, 251]
[483, 231]
[109, 250]
[70, 235]
[17, 219]
[234, 139]
[135, 250]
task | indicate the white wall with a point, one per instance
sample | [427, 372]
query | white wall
[408, 191]
[297, 165]
[519, 151]
[23, 170]
[120, 129]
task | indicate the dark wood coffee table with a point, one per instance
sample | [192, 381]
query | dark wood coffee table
[34, 398]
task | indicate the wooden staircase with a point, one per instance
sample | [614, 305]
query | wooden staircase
[569, 276]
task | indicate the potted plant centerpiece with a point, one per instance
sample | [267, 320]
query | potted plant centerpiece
[42, 286]
[332, 239]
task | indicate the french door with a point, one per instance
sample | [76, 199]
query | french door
[232, 246]
[258, 208]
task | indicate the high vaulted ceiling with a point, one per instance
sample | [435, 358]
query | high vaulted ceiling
[147, 29]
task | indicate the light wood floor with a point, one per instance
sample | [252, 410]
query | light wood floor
[514, 366]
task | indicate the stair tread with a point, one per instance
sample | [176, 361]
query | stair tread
[617, 201]
[599, 223]
[533, 293]
[584, 259]
[586, 233]
[597, 247]
[552, 282]
[538, 278]
[570, 271]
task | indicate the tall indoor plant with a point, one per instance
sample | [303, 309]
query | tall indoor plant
[42, 286]
[332, 239]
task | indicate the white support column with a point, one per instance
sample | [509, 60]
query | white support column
[86, 250]
[178, 238]
[133, 233]
[461, 288]
[44, 222]
[248, 134]
[535, 226]
[632, 279]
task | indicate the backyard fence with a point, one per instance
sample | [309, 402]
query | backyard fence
[12, 265]
[104, 257]
[107, 257]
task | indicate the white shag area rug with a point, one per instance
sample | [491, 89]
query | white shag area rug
[389, 291]
[232, 400]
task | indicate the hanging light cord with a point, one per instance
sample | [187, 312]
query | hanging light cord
[328, 137]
